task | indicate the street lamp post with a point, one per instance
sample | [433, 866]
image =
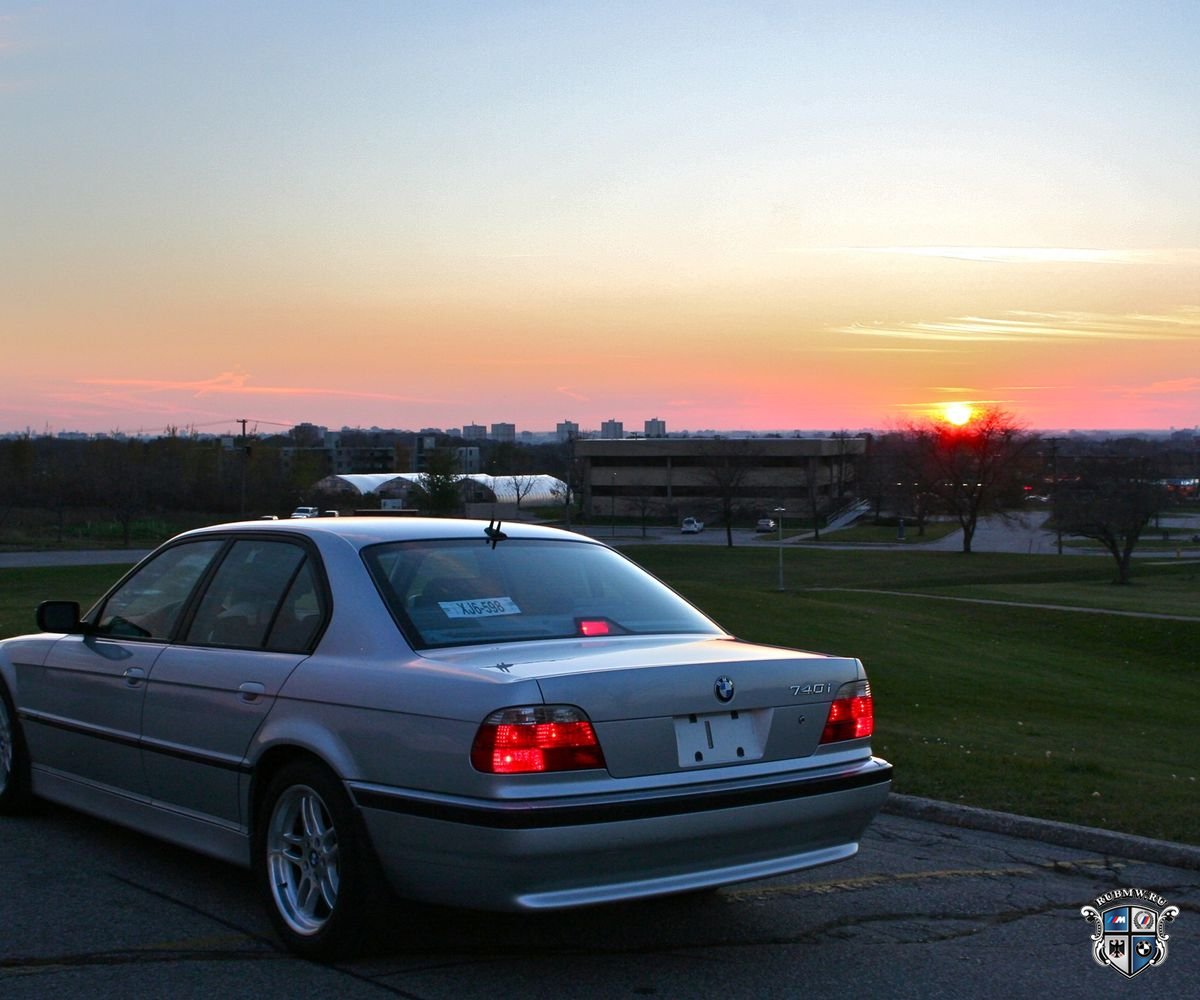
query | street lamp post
[1054, 496]
[779, 512]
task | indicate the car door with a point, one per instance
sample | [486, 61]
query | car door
[208, 693]
[82, 708]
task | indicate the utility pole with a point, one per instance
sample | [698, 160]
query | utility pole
[242, 448]
[779, 512]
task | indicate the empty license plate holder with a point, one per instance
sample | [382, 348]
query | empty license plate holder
[720, 737]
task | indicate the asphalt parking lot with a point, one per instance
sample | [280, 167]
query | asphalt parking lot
[925, 910]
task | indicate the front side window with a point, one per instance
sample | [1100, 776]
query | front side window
[463, 592]
[149, 603]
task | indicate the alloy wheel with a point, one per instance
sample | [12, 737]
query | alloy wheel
[303, 860]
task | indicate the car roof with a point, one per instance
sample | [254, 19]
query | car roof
[361, 531]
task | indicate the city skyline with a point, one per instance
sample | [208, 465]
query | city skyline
[761, 216]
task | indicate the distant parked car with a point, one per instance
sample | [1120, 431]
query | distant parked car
[512, 718]
[764, 524]
[301, 512]
[691, 526]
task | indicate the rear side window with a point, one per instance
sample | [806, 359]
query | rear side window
[463, 592]
[263, 595]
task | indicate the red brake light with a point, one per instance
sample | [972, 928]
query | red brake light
[851, 715]
[594, 626]
[534, 739]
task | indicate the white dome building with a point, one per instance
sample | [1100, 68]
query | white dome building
[483, 495]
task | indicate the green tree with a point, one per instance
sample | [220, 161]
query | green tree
[437, 492]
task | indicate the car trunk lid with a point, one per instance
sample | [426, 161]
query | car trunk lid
[678, 704]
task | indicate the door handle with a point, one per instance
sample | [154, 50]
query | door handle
[250, 692]
[134, 677]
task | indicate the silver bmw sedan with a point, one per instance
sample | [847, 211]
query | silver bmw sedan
[493, 716]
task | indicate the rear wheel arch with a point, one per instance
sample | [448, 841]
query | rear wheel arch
[270, 764]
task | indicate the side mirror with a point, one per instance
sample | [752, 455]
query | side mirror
[58, 616]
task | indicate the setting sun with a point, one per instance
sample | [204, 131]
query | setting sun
[957, 413]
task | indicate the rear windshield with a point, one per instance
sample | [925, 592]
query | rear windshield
[460, 592]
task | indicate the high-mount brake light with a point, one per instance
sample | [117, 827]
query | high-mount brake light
[534, 739]
[852, 714]
[594, 626]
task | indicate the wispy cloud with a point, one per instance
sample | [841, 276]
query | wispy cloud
[1035, 388]
[889, 350]
[1017, 255]
[1023, 255]
[237, 383]
[1021, 327]
[927, 406]
[1167, 387]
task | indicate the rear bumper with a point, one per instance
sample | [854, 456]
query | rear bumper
[535, 854]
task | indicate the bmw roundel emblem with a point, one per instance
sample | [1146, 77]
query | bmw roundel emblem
[723, 689]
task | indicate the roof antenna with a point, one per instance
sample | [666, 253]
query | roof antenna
[494, 533]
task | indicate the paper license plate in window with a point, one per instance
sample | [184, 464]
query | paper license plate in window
[481, 607]
[721, 737]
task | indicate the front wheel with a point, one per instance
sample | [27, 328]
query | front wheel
[312, 862]
[14, 762]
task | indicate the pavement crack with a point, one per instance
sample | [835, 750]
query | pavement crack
[131, 956]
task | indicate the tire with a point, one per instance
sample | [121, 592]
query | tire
[14, 760]
[314, 866]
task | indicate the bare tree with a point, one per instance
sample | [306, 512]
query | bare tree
[913, 490]
[123, 477]
[522, 486]
[561, 492]
[974, 469]
[1110, 500]
[647, 499]
[812, 490]
[839, 485]
[564, 491]
[725, 466]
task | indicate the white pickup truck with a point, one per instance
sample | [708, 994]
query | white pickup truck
[691, 526]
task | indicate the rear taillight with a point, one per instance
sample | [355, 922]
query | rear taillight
[536, 738]
[852, 714]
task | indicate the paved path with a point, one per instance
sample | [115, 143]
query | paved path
[1011, 604]
[1025, 533]
[92, 557]
[1021, 532]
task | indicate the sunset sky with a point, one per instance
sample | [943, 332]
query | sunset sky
[777, 215]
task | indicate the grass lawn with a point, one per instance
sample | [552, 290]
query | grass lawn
[22, 590]
[1067, 715]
